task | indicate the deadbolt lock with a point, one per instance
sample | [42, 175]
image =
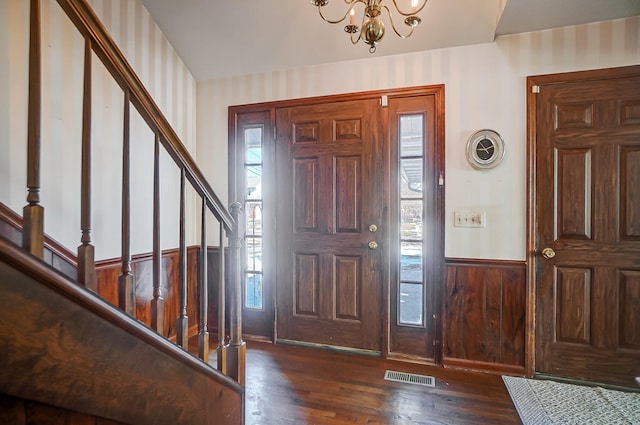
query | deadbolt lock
[373, 228]
[373, 245]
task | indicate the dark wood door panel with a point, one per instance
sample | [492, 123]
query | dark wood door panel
[629, 313]
[574, 193]
[305, 194]
[587, 210]
[347, 174]
[630, 193]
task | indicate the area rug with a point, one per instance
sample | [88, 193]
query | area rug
[542, 402]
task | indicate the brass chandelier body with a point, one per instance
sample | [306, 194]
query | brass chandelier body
[372, 28]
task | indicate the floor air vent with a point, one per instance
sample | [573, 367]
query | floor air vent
[410, 378]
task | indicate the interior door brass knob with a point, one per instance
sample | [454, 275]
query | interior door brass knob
[548, 253]
[373, 245]
[373, 228]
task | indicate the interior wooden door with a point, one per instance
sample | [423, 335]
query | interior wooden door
[330, 191]
[587, 218]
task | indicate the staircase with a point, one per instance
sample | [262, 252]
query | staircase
[77, 336]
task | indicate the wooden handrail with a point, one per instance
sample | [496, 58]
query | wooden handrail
[98, 41]
[105, 48]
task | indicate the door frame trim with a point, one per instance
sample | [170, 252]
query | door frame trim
[436, 90]
[531, 256]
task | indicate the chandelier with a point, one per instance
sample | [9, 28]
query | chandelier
[371, 29]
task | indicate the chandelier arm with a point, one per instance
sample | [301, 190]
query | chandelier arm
[415, 12]
[394, 25]
[355, 41]
[351, 3]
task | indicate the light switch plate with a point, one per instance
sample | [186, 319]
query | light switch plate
[469, 218]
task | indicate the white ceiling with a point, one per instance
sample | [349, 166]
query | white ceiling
[222, 38]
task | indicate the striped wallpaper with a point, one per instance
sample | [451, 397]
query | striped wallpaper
[484, 88]
[163, 74]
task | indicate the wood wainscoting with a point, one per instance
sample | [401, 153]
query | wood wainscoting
[107, 273]
[484, 315]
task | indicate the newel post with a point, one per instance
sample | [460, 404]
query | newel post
[237, 351]
[33, 212]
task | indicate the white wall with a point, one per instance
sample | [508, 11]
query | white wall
[484, 88]
[163, 74]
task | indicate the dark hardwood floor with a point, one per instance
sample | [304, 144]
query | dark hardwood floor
[298, 385]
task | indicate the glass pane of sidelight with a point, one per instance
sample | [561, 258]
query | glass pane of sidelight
[253, 217]
[411, 135]
[254, 253]
[411, 261]
[253, 145]
[410, 214]
[411, 176]
[411, 304]
[252, 246]
[253, 181]
[253, 293]
[411, 219]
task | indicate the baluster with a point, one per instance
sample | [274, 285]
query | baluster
[33, 212]
[237, 355]
[203, 334]
[86, 252]
[157, 303]
[126, 295]
[182, 323]
[222, 349]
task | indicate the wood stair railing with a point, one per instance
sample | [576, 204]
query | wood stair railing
[231, 356]
[65, 347]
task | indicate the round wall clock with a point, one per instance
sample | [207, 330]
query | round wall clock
[485, 149]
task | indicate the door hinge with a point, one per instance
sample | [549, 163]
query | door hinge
[441, 180]
[384, 101]
[274, 133]
[535, 89]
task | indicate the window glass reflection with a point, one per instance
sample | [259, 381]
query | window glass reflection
[253, 293]
[411, 261]
[411, 135]
[411, 304]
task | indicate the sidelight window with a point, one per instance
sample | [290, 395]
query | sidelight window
[411, 207]
[253, 207]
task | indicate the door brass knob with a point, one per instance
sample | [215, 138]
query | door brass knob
[373, 245]
[373, 228]
[548, 253]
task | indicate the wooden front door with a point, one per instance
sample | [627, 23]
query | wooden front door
[587, 225]
[330, 191]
